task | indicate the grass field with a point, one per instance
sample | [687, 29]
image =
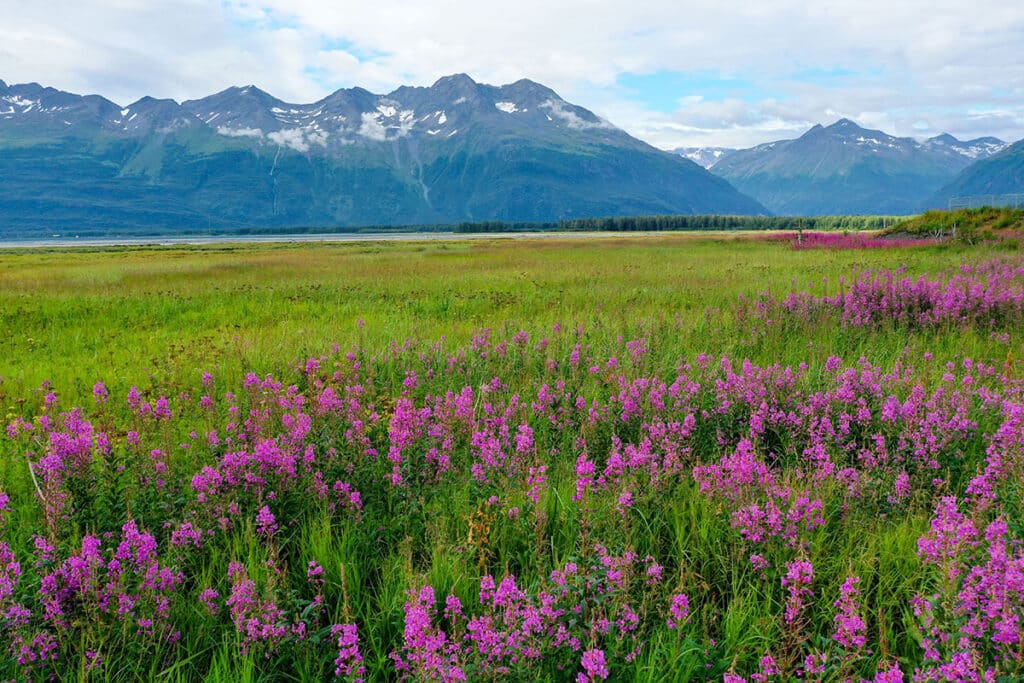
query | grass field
[121, 315]
[669, 457]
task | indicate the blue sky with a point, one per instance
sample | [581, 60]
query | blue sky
[665, 91]
[672, 72]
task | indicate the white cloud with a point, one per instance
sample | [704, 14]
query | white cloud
[240, 132]
[317, 137]
[371, 128]
[561, 111]
[909, 61]
[289, 137]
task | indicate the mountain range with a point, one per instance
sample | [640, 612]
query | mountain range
[455, 151]
[846, 169]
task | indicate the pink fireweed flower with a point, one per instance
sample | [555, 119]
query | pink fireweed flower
[315, 573]
[594, 666]
[349, 661]
[452, 608]
[625, 502]
[679, 610]
[798, 578]
[769, 668]
[889, 673]
[266, 524]
[814, 664]
[209, 599]
[584, 476]
[850, 627]
[537, 481]
[951, 534]
[654, 571]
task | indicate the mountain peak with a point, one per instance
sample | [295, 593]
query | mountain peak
[147, 101]
[346, 92]
[844, 124]
[527, 84]
[253, 91]
[944, 138]
[457, 80]
[458, 89]
[344, 97]
[814, 132]
[530, 90]
[992, 140]
[246, 92]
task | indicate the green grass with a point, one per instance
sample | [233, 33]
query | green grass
[964, 225]
[135, 316]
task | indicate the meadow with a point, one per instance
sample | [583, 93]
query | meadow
[660, 458]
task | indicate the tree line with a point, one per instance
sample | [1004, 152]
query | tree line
[697, 222]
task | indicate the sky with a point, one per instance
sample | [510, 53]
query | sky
[671, 72]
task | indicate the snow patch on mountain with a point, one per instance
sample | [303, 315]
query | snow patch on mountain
[704, 156]
[979, 148]
[861, 140]
[978, 151]
[507, 107]
[18, 101]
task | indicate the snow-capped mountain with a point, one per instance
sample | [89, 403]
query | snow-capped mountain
[846, 169]
[355, 115]
[704, 156]
[979, 148]
[455, 151]
[32, 104]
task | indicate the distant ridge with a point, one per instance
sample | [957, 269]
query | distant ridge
[1000, 174]
[846, 169]
[704, 156]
